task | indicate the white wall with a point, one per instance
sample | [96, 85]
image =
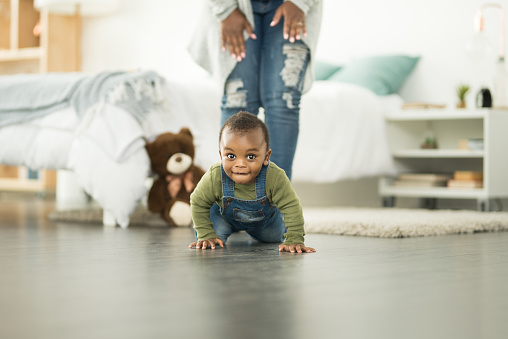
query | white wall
[436, 30]
[149, 34]
[153, 34]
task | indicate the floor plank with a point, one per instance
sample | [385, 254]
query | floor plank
[69, 280]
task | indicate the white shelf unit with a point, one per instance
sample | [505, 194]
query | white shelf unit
[406, 130]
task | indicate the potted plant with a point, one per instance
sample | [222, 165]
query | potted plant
[429, 138]
[462, 90]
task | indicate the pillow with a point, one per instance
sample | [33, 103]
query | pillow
[323, 70]
[383, 75]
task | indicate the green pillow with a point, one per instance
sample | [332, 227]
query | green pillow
[323, 70]
[383, 75]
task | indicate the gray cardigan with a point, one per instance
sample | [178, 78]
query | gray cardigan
[205, 45]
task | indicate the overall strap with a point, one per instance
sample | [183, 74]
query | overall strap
[228, 185]
[261, 183]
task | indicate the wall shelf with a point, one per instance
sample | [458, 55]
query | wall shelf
[33, 53]
[437, 114]
[433, 192]
[438, 153]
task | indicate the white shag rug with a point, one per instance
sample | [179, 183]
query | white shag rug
[401, 223]
[370, 222]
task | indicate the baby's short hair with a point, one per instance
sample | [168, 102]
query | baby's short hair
[245, 122]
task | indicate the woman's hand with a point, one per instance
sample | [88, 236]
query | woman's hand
[232, 34]
[296, 248]
[294, 21]
[204, 244]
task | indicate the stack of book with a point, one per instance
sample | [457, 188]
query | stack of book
[422, 180]
[466, 179]
[420, 105]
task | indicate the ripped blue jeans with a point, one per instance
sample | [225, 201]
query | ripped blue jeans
[271, 76]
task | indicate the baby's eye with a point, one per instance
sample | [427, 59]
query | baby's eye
[251, 157]
[230, 156]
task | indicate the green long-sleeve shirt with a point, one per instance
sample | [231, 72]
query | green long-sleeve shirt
[279, 192]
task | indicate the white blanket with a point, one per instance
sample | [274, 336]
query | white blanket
[40, 143]
[110, 161]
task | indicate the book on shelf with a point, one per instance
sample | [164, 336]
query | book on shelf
[424, 105]
[418, 183]
[32, 174]
[454, 183]
[471, 144]
[425, 176]
[422, 180]
[8, 172]
[468, 175]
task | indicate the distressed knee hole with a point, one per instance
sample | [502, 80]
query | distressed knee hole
[288, 98]
[236, 96]
[296, 55]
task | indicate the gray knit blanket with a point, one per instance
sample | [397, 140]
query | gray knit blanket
[24, 97]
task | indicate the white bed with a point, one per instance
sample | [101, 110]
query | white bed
[106, 153]
[342, 136]
[105, 148]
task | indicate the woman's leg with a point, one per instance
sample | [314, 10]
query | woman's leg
[241, 91]
[283, 67]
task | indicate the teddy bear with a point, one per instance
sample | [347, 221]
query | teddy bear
[172, 159]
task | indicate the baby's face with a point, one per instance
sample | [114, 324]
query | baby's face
[243, 155]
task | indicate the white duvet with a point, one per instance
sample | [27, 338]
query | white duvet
[342, 136]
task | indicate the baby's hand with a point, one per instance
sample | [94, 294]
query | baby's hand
[204, 244]
[296, 248]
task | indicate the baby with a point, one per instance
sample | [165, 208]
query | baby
[245, 191]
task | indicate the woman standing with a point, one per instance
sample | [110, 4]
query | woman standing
[260, 53]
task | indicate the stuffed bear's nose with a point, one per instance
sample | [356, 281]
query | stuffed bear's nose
[178, 159]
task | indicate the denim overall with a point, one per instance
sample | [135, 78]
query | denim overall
[258, 218]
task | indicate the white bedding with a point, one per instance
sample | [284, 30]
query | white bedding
[40, 143]
[342, 136]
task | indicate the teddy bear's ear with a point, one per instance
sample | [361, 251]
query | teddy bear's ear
[187, 131]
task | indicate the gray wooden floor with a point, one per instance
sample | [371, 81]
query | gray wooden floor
[65, 280]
